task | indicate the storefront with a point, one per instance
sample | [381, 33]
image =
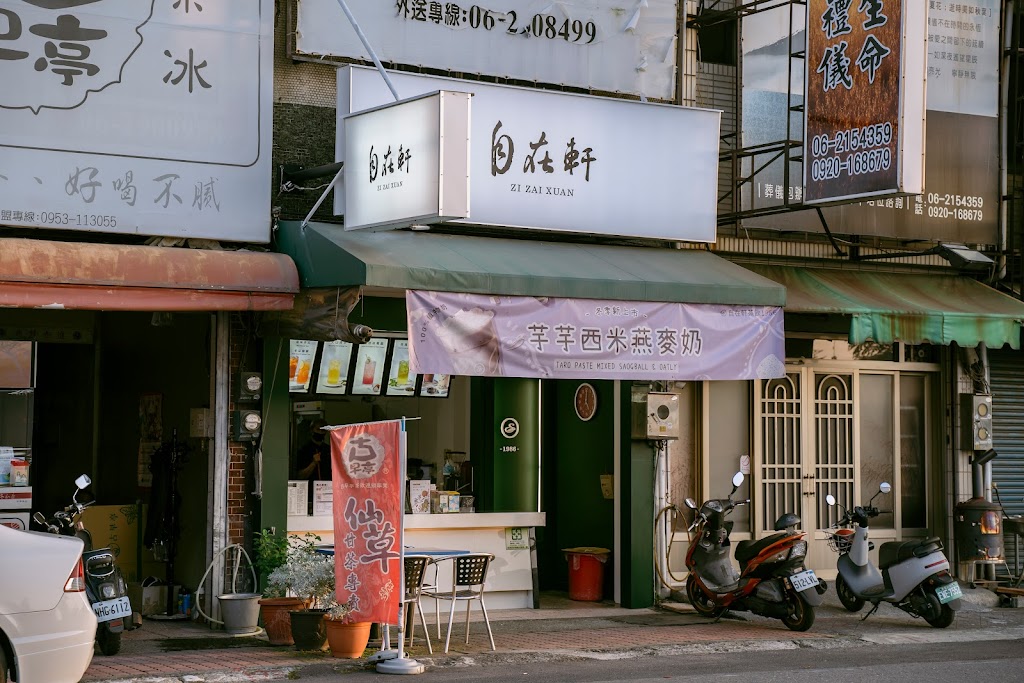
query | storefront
[872, 392]
[548, 466]
[108, 355]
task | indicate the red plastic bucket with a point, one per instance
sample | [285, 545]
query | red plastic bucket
[586, 572]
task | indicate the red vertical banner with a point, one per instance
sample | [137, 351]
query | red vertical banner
[367, 519]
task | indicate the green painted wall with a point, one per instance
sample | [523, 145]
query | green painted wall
[576, 454]
[276, 404]
[515, 425]
[637, 487]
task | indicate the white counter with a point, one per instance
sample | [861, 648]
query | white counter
[510, 577]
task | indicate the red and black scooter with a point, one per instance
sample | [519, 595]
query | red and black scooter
[772, 580]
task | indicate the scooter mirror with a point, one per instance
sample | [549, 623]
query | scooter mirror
[737, 479]
[39, 518]
[884, 487]
[690, 503]
[830, 499]
[83, 481]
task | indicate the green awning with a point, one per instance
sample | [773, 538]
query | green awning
[935, 309]
[327, 256]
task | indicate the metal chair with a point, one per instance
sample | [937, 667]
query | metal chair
[415, 571]
[469, 572]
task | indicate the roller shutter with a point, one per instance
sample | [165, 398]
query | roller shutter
[1007, 376]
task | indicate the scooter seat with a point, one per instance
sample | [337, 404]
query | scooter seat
[748, 550]
[895, 552]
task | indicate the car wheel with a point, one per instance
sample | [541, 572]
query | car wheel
[3, 666]
[110, 643]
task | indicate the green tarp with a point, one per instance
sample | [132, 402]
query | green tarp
[327, 256]
[885, 307]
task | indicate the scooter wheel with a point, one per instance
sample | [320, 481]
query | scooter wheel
[846, 595]
[701, 602]
[801, 615]
[943, 613]
[110, 643]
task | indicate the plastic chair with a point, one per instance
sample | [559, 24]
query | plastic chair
[469, 572]
[415, 571]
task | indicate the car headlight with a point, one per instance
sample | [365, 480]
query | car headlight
[799, 549]
[108, 590]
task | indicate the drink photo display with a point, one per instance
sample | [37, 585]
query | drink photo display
[369, 368]
[334, 368]
[300, 363]
[401, 382]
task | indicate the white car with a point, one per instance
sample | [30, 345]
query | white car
[47, 626]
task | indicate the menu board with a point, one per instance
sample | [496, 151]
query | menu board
[435, 386]
[300, 364]
[401, 382]
[334, 368]
[369, 368]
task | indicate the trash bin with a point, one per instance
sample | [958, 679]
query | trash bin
[586, 572]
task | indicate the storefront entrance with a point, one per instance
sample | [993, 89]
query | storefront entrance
[832, 428]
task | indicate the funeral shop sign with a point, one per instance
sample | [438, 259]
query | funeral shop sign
[544, 160]
[865, 99]
[521, 336]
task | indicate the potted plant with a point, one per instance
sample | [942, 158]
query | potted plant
[271, 553]
[309, 576]
[347, 639]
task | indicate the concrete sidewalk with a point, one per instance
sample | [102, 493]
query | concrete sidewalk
[162, 652]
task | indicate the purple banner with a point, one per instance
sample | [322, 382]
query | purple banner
[522, 336]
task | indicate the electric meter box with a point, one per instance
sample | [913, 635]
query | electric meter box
[655, 415]
[976, 422]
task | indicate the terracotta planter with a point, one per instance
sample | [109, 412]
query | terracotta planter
[308, 630]
[276, 620]
[347, 641]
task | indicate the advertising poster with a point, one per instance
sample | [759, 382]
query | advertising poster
[334, 367]
[141, 117]
[367, 509]
[435, 385]
[960, 201]
[522, 336]
[401, 381]
[369, 370]
[302, 353]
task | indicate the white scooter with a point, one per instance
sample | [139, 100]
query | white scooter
[914, 575]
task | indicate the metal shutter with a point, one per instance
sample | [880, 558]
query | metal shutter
[1007, 376]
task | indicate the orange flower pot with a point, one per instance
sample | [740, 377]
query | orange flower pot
[277, 621]
[347, 641]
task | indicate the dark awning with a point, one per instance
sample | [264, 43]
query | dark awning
[328, 256]
[935, 309]
[78, 275]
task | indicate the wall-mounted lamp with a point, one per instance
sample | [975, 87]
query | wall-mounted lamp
[958, 255]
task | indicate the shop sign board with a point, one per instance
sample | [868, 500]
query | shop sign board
[603, 45]
[368, 505]
[865, 99]
[143, 117]
[407, 162]
[960, 202]
[551, 338]
[554, 161]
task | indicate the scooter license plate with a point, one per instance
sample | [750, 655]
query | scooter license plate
[948, 592]
[112, 609]
[804, 580]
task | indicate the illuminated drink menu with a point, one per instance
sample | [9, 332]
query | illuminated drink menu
[369, 369]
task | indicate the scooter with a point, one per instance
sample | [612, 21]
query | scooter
[104, 585]
[914, 575]
[772, 580]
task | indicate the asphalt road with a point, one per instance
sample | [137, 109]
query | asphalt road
[988, 661]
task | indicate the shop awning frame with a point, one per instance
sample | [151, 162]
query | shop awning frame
[328, 256]
[93, 276]
[912, 308]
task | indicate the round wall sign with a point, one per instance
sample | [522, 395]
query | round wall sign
[585, 401]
